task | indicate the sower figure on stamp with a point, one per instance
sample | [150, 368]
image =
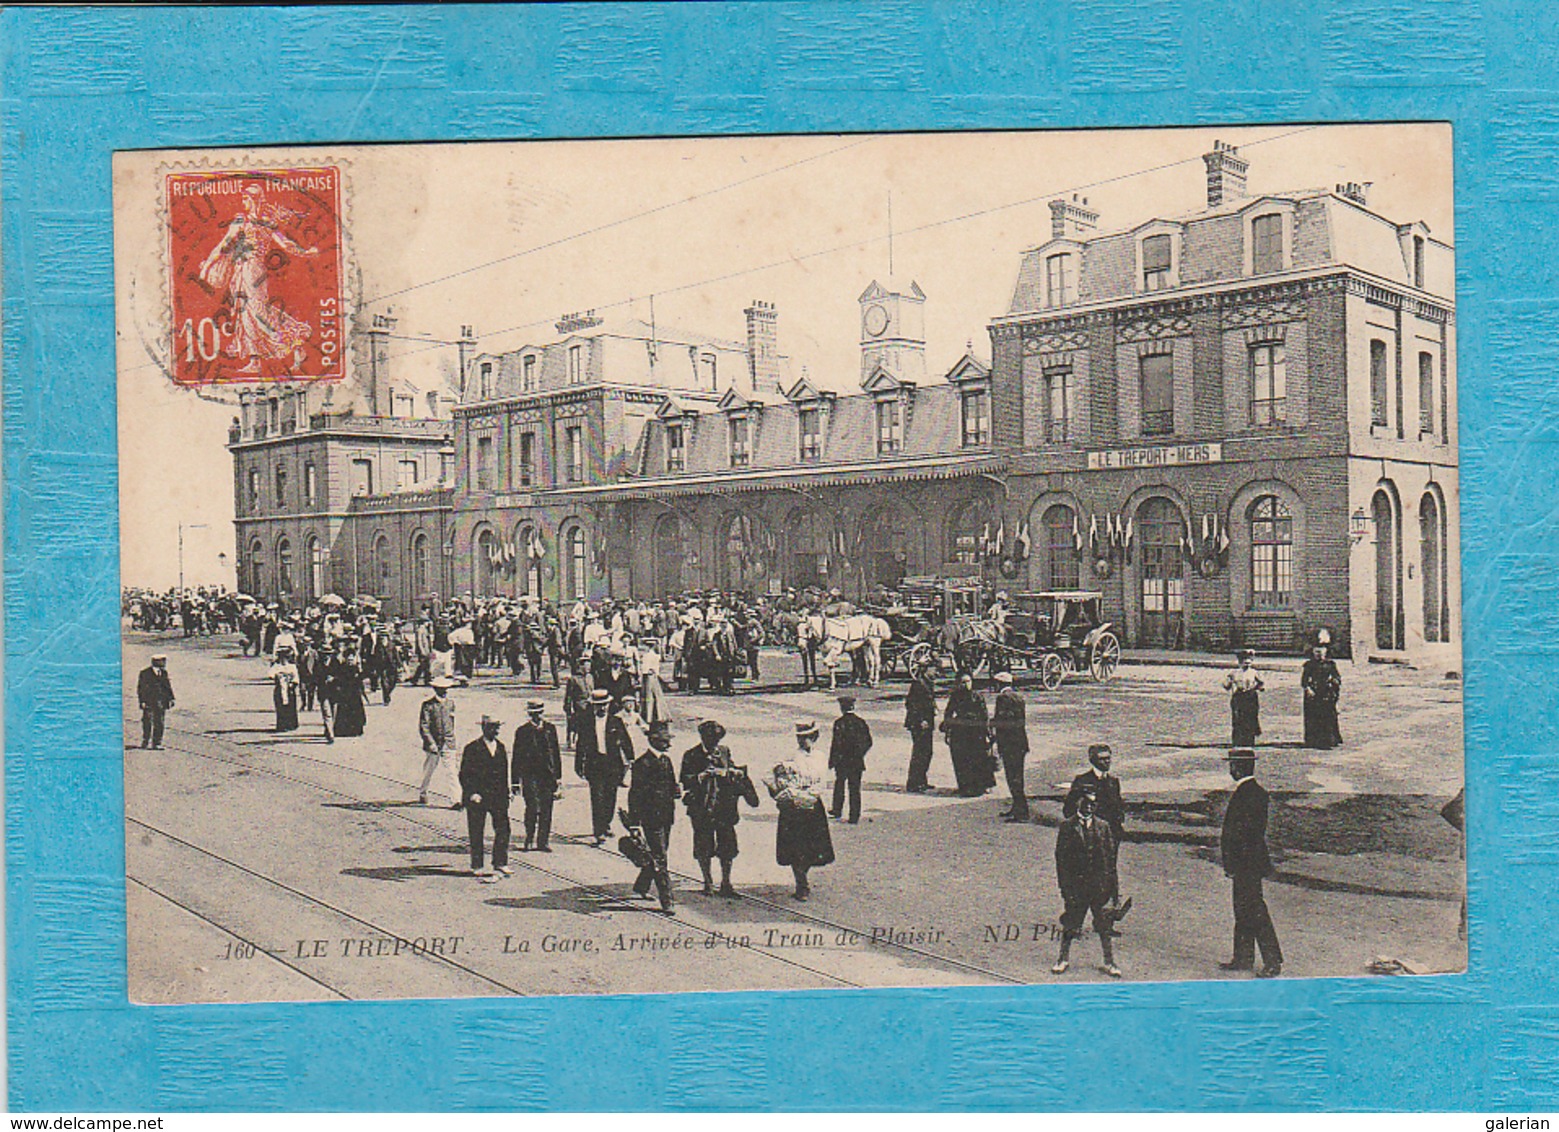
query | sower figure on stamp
[653, 791]
[1111, 809]
[920, 722]
[484, 781]
[852, 738]
[436, 727]
[712, 787]
[1009, 725]
[1248, 862]
[154, 690]
[1085, 870]
[538, 768]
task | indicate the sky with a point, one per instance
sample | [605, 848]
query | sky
[507, 237]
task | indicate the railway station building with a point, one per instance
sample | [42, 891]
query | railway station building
[1239, 425]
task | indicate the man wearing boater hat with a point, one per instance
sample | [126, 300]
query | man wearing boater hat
[484, 785]
[601, 759]
[1247, 861]
[538, 768]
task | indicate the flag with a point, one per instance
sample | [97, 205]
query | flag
[1077, 535]
[1025, 544]
[1130, 536]
[1207, 525]
[538, 549]
[985, 539]
[1093, 535]
[1223, 541]
[1001, 539]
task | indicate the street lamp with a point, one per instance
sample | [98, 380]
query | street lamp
[193, 527]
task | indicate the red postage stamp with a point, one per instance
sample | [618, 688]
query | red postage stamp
[255, 269]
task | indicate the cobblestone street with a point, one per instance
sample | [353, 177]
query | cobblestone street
[319, 857]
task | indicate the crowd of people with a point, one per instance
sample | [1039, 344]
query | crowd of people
[615, 663]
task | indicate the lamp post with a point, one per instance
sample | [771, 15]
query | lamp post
[193, 527]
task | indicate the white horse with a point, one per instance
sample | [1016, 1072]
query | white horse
[843, 637]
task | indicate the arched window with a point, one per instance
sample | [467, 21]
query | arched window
[384, 566]
[808, 550]
[486, 565]
[316, 552]
[420, 577]
[283, 567]
[1388, 571]
[741, 554]
[968, 532]
[575, 575]
[1271, 554]
[1162, 533]
[1431, 551]
[886, 548]
[257, 568]
[1061, 546]
[526, 562]
[670, 555]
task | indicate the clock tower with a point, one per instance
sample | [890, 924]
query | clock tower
[893, 331]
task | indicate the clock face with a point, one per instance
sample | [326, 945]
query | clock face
[876, 320]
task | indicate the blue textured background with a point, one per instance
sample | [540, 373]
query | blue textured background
[80, 83]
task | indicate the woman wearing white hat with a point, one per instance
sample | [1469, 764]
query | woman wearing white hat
[802, 840]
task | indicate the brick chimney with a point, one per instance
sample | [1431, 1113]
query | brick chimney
[377, 393]
[1226, 171]
[1070, 219]
[763, 365]
[1356, 192]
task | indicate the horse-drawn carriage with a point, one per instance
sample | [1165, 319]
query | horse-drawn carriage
[1054, 634]
[923, 606]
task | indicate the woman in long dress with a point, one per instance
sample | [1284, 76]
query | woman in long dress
[1322, 685]
[284, 690]
[967, 725]
[802, 840]
[1244, 687]
[351, 707]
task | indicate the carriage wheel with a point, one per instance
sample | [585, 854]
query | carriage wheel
[1052, 670]
[1105, 658]
[919, 654]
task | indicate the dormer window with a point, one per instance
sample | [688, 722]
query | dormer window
[676, 452]
[485, 385]
[528, 374]
[810, 422]
[706, 371]
[1060, 279]
[1269, 236]
[976, 417]
[741, 440]
[890, 427]
[1157, 260]
[1266, 254]
[1158, 256]
[576, 365]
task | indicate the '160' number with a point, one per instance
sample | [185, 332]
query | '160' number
[207, 337]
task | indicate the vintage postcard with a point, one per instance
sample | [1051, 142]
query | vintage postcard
[790, 562]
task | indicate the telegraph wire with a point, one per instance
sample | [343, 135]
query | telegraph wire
[870, 240]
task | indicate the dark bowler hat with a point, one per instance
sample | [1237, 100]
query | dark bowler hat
[1241, 754]
[1097, 749]
[847, 703]
[711, 730]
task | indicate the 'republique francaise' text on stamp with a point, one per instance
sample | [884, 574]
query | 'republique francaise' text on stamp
[254, 261]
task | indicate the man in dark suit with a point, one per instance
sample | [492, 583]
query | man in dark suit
[602, 752]
[652, 806]
[920, 722]
[484, 785]
[155, 692]
[1009, 726]
[712, 787]
[1246, 859]
[576, 709]
[1106, 788]
[538, 768]
[1085, 867]
[847, 757]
